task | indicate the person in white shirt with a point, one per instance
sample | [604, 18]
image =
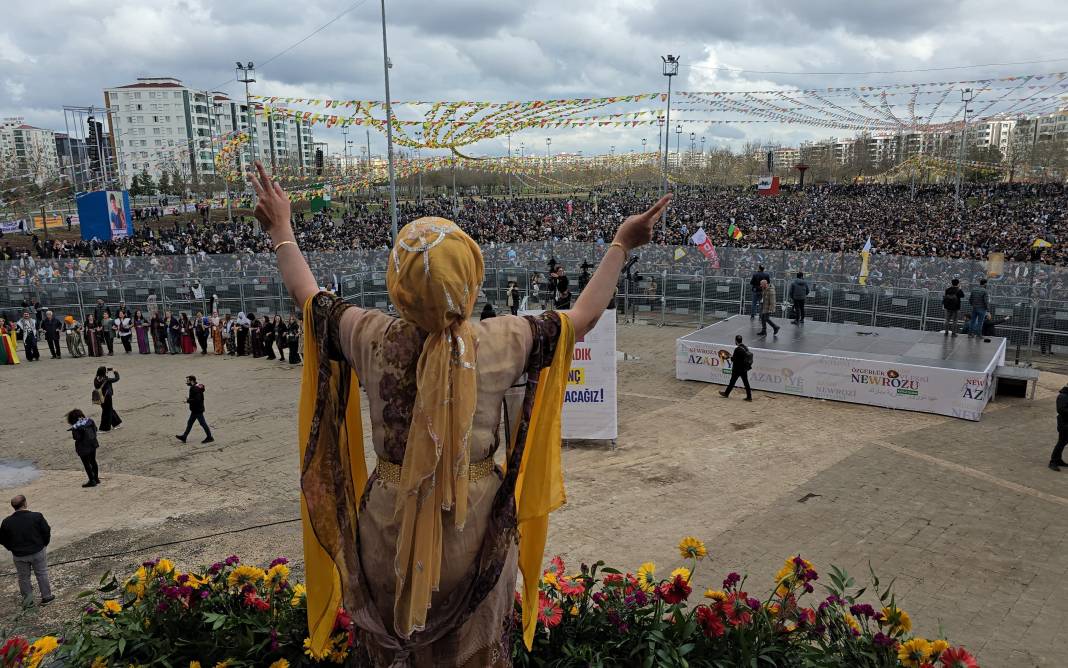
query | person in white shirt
[125, 329]
[28, 327]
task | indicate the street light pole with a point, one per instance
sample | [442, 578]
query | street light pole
[389, 127]
[670, 69]
[548, 152]
[246, 74]
[966, 96]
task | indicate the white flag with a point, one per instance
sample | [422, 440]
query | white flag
[699, 236]
[867, 245]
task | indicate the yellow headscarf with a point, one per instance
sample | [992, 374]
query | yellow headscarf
[434, 275]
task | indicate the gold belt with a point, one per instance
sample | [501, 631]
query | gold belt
[391, 472]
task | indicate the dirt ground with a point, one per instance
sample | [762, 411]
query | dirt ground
[965, 516]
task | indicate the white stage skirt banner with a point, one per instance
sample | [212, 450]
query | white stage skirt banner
[953, 392]
[590, 410]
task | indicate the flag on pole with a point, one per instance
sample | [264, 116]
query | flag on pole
[733, 232]
[704, 244]
[1041, 243]
[867, 245]
[865, 254]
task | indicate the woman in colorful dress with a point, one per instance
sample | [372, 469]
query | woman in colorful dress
[107, 331]
[73, 330]
[216, 334]
[124, 330]
[423, 553]
[92, 334]
[8, 354]
[201, 328]
[141, 326]
[188, 344]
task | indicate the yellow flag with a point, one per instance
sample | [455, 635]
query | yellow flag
[679, 253]
[1041, 243]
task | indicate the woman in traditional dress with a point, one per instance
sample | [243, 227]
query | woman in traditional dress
[256, 337]
[92, 334]
[389, 548]
[73, 330]
[229, 335]
[104, 384]
[154, 328]
[186, 329]
[268, 337]
[8, 354]
[141, 331]
[107, 331]
[124, 329]
[201, 327]
[216, 334]
[293, 339]
[242, 326]
[280, 337]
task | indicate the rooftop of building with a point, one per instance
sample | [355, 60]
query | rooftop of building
[154, 82]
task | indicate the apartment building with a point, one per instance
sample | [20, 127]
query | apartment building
[27, 152]
[160, 124]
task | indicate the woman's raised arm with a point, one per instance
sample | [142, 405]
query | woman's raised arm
[635, 231]
[273, 211]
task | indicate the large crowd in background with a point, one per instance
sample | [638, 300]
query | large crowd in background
[107, 329]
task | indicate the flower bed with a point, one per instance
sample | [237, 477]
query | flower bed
[232, 615]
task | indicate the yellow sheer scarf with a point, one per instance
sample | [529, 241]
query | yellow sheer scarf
[337, 451]
[539, 488]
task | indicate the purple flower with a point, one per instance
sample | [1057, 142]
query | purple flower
[232, 560]
[823, 606]
[862, 609]
[753, 603]
[216, 567]
[182, 579]
[818, 630]
[274, 640]
[834, 599]
[150, 564]
[90, 610]
[161, 606]
[204, 593]
[732, 579]
[599, 597]
[808, 588]
[640, 598]
[278, 562]
[883, 640]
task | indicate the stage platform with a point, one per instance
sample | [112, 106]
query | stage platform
[880, 366]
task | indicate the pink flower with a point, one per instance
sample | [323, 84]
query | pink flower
[958, 657]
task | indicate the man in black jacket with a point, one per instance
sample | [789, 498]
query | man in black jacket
[196, 410]
[26, 534]
[758, 292]
[83, 430]
[52, 327]
[798, 293]
[951, 303]
[741, 363]
[1056, 460]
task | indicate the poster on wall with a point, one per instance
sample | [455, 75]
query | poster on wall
[9, 226]
[117, 215]
[590, 410]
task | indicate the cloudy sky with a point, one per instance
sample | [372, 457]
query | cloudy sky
[64, 52]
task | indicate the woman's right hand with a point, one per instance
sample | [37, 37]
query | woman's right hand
[273, 209]
[637, 230]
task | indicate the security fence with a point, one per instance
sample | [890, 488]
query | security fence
[1029, 302]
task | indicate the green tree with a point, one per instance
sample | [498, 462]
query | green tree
[179, 184]
[148, 185]
[164, 186]
[136, 190]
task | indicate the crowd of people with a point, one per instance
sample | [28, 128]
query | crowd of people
[153, 331]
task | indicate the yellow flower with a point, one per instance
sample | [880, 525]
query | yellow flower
[194, 664]
[164, 566]
[574, 611]
[646, 573]
[111, 608]
[851, 622]
[223, 664]
[41, 648]
[937, 647]
[278, 574]
[99, 662]
[195, 582]
[692, 548]
[549, 579]
[244, 575]
[312, 654]
[716, 595]
[914, 653]
[136, 584]
[897, 619]
[299, 592]
[773, 609]
[280, 663]
[684, 572]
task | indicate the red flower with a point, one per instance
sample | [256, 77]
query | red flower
[613, 580]
[676, 591]
[556, 565]
[253, 600]
[736, 609]
[958, 657]
[14, 651]
[568, 587]
[342, 621]
[807, 617]
[710, 622]
[549, 613]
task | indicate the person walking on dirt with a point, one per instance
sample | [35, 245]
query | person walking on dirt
[196, 410]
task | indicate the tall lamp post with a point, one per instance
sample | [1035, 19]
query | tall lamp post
[643, 146]
[966, 96]
[246, 74]
[670, 69]
[389, 126]
[678, 144]
[548, 151]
